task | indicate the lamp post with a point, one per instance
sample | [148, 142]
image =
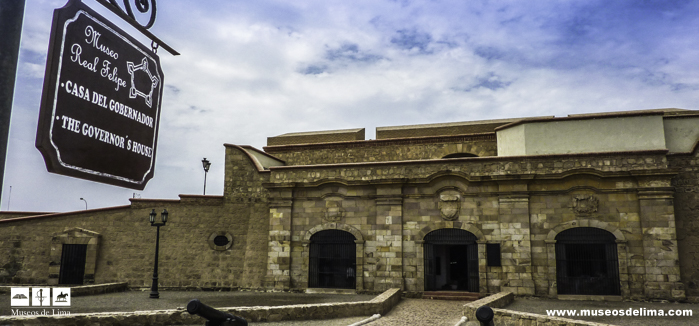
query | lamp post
[163, 217]
[206, 164]
[83, 199]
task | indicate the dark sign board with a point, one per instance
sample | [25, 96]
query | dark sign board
[100, 106]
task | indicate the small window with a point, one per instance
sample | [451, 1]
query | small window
[493, 253]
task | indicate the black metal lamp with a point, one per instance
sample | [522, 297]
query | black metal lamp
[154, 294]
[206, 164]
[152, 217]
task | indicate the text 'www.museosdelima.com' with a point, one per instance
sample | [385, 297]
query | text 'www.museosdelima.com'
[640, 312]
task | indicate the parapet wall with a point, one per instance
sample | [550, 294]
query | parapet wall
[516, 318]
[83, 290]
[382, 304]
[315, 137]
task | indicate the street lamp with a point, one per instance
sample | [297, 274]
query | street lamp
[206, 164]
[163, 216]
[83, 199]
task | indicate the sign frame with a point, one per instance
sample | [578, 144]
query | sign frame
[67, 146]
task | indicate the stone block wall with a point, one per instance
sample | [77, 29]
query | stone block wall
[245, 194]
[385, 150]
[521, 204]
[333, 206]
[437, 129]
[660, 245]
[477, 168]
[12, 214]
[686, 202]
[124, 245]
[317, 137]
[616, 211]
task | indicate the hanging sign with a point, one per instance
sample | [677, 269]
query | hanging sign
[100, 106]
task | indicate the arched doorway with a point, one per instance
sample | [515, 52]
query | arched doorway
[451, 261]
[332, 260]
[587, 262]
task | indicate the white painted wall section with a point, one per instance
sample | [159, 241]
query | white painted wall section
[681, 134]
[572, 136]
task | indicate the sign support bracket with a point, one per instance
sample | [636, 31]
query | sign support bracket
[137, 26]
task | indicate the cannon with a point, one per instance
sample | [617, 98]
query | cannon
[214, 317]
[485, 315]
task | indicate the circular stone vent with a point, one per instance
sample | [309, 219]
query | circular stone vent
[220, 240]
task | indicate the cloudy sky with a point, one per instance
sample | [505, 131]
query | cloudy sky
[253, 69]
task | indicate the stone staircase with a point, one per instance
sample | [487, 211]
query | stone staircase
[451, 295]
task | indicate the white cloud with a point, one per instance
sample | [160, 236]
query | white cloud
[250, 70]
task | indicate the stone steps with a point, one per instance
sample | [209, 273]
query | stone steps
[451, 295]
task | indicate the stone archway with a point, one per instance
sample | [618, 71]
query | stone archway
[451, 225]
[359, 251]
[433, 226]
[72, 237]
[587, 223]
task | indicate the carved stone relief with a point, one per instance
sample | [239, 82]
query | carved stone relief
[333, 209]
[450, 204]
[585, 204]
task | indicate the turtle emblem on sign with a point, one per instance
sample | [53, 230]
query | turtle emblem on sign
[154, 81]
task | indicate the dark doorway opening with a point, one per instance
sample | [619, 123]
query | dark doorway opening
[72, 264]
[332, 262]
[451, 261]
[587, 262]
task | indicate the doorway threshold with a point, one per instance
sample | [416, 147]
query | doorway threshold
[330, 291]
[577, 297]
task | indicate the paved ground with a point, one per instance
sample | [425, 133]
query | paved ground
[539, 306]
[409, 312]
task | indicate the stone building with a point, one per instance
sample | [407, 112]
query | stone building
[586, 205]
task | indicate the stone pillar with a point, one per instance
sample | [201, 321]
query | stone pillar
[420, 269]
[359, 274]
[657, 217]
[623, 257]
[279, 254]
[482, 267]
[516, 241]
[552, 271]
[387, 238]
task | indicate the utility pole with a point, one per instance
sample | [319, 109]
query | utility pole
[11, 16]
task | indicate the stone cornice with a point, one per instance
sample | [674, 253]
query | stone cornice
[84, 213]
[582, 117]
[625, 154]
[381, 142]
